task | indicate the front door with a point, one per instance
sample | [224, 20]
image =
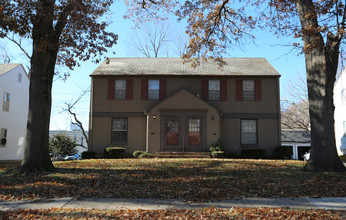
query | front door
[183, 132]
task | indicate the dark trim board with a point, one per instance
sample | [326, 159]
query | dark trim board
[250, 115]
[119, 114]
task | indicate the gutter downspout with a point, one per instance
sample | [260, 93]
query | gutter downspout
[147, 132]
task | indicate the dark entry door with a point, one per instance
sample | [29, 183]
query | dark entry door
[183, 133]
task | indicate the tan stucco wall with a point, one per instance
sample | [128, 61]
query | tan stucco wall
[267, 135]
[102, 136]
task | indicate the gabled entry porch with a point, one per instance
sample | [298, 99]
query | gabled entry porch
[182, 122]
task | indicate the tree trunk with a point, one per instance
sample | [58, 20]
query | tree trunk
[321, 66]
[36, 155]
[45, 48]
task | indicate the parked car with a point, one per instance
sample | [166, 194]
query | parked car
[73, 157]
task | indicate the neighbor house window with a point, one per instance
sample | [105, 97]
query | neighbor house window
[3, 137]
[120, 89]
[6, 102]
[154, 89]
[119, 130]
[248, 90]
[19, 77]
[343, 96]
[248, 131]
[214, 90]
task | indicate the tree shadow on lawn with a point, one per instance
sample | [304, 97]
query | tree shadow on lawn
[211, 180]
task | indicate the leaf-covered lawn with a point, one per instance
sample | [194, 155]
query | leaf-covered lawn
[188, 179]
[209, 213]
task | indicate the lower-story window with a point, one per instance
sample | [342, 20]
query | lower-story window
[248, 131]
[3, 137]
[119, 130]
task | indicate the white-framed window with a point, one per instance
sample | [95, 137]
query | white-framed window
[343, 96]
[248, 90]
[6, 102]
[214, 89]
[119, 130]
[3, 137]
[120, 89]
[248, 131]
[153, 89]
[19, 77]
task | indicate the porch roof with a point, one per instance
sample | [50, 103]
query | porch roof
[175, 67]
[295, 136]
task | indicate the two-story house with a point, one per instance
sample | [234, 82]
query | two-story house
[161, 104]
[14, 103]
[340, 113]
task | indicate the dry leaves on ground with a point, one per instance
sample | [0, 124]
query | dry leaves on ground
[187, 179]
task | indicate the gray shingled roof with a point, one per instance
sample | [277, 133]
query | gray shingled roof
[5, 67]
[175, 66]
[296, 136]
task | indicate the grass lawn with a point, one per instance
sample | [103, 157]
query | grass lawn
[188, 179]
[210, 213]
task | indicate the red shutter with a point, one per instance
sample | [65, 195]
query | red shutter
[205, 89]
[239, 90]
[163, 89]
[258, 90]
[129, 89]
[111, 89]
[223, 90]
[144, 94]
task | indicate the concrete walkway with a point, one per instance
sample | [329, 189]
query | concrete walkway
[330, 203]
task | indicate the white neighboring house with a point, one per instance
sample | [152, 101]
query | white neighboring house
[340, 113]
[14, 104]
[76, 135]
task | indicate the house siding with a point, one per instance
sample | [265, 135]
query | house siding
[226, 127]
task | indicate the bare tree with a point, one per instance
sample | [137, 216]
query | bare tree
[295, 107]
[69, 109]
[181, 43]
[150, 40]
[4, 56]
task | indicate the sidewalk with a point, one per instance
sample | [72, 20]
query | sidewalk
[328, 203]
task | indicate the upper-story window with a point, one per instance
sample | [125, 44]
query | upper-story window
[248, 90]
[6, 102]
[120, 89]
[214, 90]
[3, 137]
[343, 96]
[153, 89]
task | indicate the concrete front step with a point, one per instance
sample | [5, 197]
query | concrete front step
[183, 154]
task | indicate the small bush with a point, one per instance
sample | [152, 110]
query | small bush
[88, 155]
[217, 154]
[114, 152]
[217, 146]
[137, 153]
[146, 155]
[253, 153]
[283, 152]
